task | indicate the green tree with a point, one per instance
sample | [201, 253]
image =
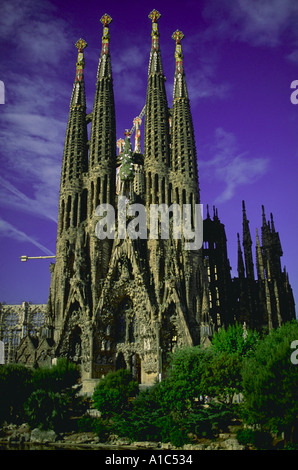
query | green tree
[53, 397]
[15, 387]
[112, 393]
[47, 410]
[126, 167]
[235, 340]
[222, 377]
[63, 375]
[270, 383]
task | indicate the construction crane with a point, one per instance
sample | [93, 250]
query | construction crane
[139, 117]
[25, 258]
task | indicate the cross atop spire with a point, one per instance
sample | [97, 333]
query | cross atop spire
[154, 16]
[81, 45]
[105, 20]
[178, 36]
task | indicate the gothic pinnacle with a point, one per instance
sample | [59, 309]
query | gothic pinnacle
[178, 36]
[81, 45]
[154, 16]
[180, 88]
[105, 20]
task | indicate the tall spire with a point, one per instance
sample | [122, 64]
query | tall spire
[180, 88]
[247, 244]
[156, 135]
[241, 271]
[103, 129]
[75, 155]
[155, 63]
[259, 257]
[272, 250]
[184, 156]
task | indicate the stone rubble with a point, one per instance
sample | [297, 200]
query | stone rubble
[13, 435]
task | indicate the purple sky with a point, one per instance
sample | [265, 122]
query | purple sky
[240, 59]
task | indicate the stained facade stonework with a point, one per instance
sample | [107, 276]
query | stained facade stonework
[122, 302]
[22, 324]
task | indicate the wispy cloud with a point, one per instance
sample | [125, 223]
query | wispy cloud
[34, 30]
[42, 204]
[128, 73]
[257, 22]
[9, 231]
[32, 133]
[231, 167]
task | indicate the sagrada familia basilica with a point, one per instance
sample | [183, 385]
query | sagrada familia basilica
[123, 301]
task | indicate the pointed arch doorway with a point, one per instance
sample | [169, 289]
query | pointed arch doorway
[136, 367]
[120, 362]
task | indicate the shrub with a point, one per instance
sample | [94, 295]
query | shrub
[59, 377]
[97, 425]
[15, 387]
[270, 383]
[183, 384]
[46, 409]
[259, 439]
[53, 397]
[234, 341]
[112, 393]
[222, 377]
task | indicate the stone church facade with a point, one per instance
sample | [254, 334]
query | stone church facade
[125, 302]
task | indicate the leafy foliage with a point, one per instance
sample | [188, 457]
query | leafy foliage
[112, 393]
[270, 382]
[63, 375]
[222, 377]
[127, 168]
[53, 398]
[234, 340]
[15, 387]
[44, 397]
[99, 426]
[46, 409]
[259, 439]
[172, 410]
[184, 383]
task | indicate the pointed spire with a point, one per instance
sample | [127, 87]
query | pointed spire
[81, 45]
[156, 134]
[103, 128]
[241, 271]
[247, 244]
[104, 66]
[105, 20]
[155, 64]
[183, 146]
[75, 156]
[272, 223]
[259, 258]
[180, 88]
[263, 216]
[268, 305]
